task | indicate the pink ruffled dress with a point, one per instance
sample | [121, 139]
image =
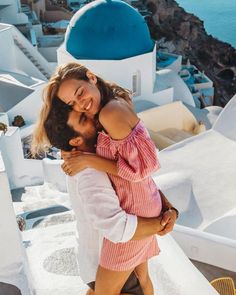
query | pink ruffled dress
[138, 194]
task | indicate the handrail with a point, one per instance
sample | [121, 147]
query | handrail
[43, 63]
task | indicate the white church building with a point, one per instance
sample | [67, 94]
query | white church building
[113, 40]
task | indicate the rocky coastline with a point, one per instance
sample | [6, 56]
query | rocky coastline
[183, 33]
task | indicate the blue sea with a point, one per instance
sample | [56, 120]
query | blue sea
[219, 17]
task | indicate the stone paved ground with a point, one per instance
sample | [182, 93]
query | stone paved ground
[17, 194]
[212, 272]
[209, 271]
[8, 289]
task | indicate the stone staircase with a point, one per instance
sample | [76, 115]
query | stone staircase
[32, 59]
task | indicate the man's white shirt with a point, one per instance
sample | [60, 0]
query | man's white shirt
[98, 214]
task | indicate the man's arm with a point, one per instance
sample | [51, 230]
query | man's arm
[103, 210]
[147, 227]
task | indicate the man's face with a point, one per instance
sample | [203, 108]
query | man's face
[86, 127]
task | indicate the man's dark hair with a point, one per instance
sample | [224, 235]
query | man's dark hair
[57, 130]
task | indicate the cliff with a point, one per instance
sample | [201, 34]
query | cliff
[183, 33]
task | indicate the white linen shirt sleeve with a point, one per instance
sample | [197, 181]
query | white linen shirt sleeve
[102, 206]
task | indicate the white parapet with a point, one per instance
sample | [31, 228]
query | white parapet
[206, 247]
[12, 262]
[166, 60]
[198, 177]
[226, 120]
[53, 174]
[4, 118]
[21, 172]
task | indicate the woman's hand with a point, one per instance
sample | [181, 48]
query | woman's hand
[75, 163]
[66, 155]
[168, 221]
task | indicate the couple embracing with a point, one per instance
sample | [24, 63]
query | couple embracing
[109, 158]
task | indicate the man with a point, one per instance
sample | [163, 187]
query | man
[94, 201]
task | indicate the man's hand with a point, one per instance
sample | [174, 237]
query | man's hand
[168, 221]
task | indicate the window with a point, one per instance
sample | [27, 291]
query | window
[136, 84]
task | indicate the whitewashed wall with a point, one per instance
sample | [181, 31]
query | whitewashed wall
[12, 262]
[53, 174]
[11, 13]
[119, 71]
[4, 118]
[176, 65]
[29, 107]
[167, 78]
[49, 53]
[8, 59]
[226, 120]
[21, 172]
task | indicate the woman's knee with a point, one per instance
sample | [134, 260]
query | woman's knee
[107, 288]
[90, 292]
[110, 282]
[107, 291]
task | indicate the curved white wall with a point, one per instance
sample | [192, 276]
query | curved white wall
[168, 78]
[225, 124]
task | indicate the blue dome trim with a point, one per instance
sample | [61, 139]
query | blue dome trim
[107, 30]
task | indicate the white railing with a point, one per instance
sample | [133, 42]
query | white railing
[28, 49]
[5, 2]
[4, 26]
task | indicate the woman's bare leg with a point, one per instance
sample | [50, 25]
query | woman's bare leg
[110, 282]
[144, 279]
[90, 292]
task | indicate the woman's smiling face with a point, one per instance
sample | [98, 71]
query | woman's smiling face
[83, 96]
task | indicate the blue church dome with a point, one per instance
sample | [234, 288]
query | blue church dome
[107, 30]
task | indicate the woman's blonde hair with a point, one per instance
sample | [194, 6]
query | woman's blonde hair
[40, 142]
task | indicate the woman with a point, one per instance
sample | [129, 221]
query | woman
[126, 153]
